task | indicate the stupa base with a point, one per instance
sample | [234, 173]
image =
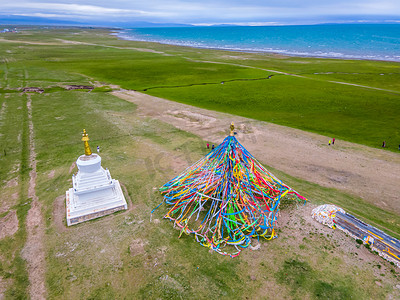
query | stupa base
[83, 207]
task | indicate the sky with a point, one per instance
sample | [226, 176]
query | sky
[206, 12]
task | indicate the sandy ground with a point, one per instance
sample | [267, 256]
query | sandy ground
[8, 224]
[34, 252]
[3, 287]
[373, 174]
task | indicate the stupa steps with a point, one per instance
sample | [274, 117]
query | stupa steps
[91, 182]
[96, 176]
[98, 202]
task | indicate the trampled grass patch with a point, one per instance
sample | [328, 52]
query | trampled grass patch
[101, 258]
[301, 278]
[130, 254]
[119, 149]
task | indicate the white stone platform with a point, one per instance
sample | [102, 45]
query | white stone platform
[94, 193]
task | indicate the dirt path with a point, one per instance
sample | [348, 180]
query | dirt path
[2, 112]
[3, 40]
[365, 86]
[370, 173]
[33, 251]
[290, 74]
[114, 47]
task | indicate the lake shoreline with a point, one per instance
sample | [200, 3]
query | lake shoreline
[121, 34]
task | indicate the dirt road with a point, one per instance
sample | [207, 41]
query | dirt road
[372, 174]
[34, 252]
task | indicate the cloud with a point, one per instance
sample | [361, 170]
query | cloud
[35, 8]
[41, 15]
[203, 11]
[75, 8]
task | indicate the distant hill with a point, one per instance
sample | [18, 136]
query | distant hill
[26, 20]
[23, 20]
[148, 24]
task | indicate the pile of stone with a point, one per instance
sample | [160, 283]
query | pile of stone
[325, 214]
[385, 245]
[32, 89]
[79, 87]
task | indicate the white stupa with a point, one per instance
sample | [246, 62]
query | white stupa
[94, 193]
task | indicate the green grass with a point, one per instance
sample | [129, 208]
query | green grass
[299, 275]
[15, 165]
[10, 143]
[95, 260]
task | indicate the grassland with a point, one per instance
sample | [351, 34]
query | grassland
[14, 172]
[311, 100]
[129, 256]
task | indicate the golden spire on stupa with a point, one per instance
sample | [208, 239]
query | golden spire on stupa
[85, 140]
[232, 129]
